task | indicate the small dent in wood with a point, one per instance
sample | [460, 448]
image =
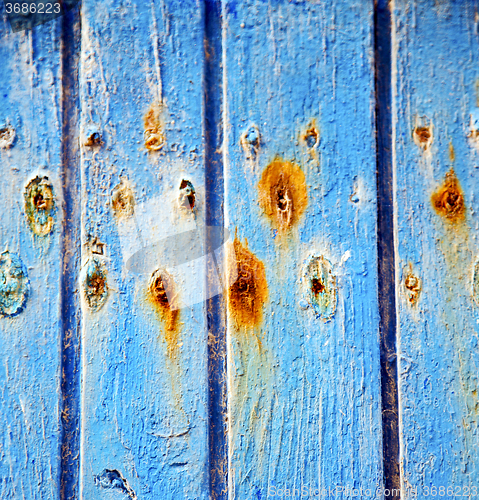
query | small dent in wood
[40, 205]
[187, 196]
[7, 136]
[423, 133]
[94, 282]
[319, 284]
[250, 141]
[14, 284]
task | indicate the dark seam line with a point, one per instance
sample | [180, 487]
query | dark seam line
[70, 307]
[386, 256]
[214, 187]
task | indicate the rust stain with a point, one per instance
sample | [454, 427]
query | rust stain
[95, 285]
[423, 136]
[448, 199]
[452, 153]
[247, 295]
[161, 290]
[283, 194]
[122, 200]
[154, 133]
[413, 286]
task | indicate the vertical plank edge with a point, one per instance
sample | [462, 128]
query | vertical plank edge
[70, 307]
[386, 255]
[214, 185]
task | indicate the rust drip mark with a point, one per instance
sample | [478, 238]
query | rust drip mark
[412, 285]
[423, 134]
[161, 290]
[40, 205]
[448, 199]
[7, 137]
[250, 141]
[452, 153]
[122, 200]
[283, 194]
[187, 196]
[14, 285]
[154, 134]
[320, 289]
[311, 136]
[248, 293]
[94, 283]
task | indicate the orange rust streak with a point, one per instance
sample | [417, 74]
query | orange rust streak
[283, 194]
[160, 290]
[448, 199]
[249, 292]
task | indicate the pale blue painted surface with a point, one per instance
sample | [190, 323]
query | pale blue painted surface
[144, 416]
[30, 336]
[435, 57]
[304, 394]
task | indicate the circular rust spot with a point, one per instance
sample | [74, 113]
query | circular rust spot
[40, 205]
[319, 286]
[95, 286]
[311, 137]
[412, 284]
[93, 138]
[282, 193]
[248, 293]
[448, 200]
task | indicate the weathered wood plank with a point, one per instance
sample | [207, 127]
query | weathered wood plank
[144, 364]
[435, 107]
[30, 261]
[300, 178]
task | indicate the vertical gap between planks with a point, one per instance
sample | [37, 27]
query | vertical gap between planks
[386, 254]
[214, 182]
[70, 307]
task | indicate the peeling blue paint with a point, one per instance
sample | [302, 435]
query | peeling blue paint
[14, 284]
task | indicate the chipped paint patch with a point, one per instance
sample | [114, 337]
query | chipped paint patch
[448, 199]
[154, 133]
[187, 196]
[94, 283]
[162, 295]
[7, 137]
[249, 291]
[283, 194]
[14, 284]
[319, 287]
[123, 200]
[113, 479]
[40, 205]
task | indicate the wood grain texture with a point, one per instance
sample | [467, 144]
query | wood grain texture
[435, 84]
[304, 391]
[144, 407]
[30, 340]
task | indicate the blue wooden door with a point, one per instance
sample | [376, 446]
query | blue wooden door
[237, 253]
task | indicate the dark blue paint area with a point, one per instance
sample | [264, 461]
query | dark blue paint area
[214, 197]
[26, 14]
[112, 479]
[386, 258]
[14, 284]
